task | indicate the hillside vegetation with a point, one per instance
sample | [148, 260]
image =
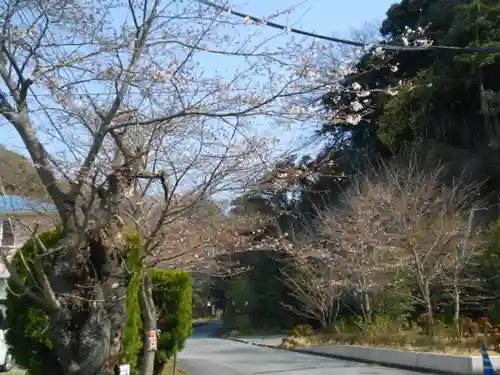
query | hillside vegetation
[19, 177]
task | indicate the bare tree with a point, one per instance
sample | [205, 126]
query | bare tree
[350, 232]
[459, 278]
[112, 107]
[317, 286]
[420, 219]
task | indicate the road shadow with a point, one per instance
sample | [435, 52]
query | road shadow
[207, 330]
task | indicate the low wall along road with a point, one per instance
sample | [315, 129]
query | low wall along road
[420, 361]
[445, 363]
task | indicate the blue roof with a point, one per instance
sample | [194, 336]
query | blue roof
[18, 204]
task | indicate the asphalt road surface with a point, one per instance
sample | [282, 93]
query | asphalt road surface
[206, 355]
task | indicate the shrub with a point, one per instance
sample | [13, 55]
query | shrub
[381, 326]
[469, 328]
[496, 341]
[424, 321]
[303, 330]
[27, 323]
[484, 324]
[133, 337]
[172, 294]
[487, 269]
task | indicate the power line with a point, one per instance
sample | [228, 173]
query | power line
[262, 21]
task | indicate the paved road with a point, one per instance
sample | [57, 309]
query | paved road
[205, 355]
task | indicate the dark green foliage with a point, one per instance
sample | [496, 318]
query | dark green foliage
[454, 98]
[488, 269]
[270, 294]
[201, 295]
[172, 293]
[26, 323]
[133, 340]
[257, 297]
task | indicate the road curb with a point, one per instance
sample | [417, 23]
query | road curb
[203, 323]
[253, 343]
[199, 324]
[335, 356]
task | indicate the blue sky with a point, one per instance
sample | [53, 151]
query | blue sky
[339, 18]
[329, 17]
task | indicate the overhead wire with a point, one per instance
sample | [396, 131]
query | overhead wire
[262, 21]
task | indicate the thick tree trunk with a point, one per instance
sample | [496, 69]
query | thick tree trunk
[148, 311]
[87, 329]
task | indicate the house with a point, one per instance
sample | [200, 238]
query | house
[17, 216]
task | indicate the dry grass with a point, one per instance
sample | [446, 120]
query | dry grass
[442, 341]
[169, 369]
[408, 341]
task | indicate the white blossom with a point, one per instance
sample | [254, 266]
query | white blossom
[356, 106]
[353, 119]
[379, 52]
[392, 92]
[363, 94]
[356, 86]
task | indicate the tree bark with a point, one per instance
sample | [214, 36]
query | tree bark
[428, 307]
[148, 311]
[82, 280]
[87, 330]
[367, 308]
[456, 308]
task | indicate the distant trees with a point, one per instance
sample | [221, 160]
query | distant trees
[400, 231]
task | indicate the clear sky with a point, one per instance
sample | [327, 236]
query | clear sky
[329, 17]
[340, 18]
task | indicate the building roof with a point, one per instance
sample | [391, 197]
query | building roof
[18, 204]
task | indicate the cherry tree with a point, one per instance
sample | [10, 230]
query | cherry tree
[128, 130]
[420, 217]
[317, 286]
[366, 267]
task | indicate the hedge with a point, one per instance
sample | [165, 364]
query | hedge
[133, 329]
[27, 323]
[172, 293]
